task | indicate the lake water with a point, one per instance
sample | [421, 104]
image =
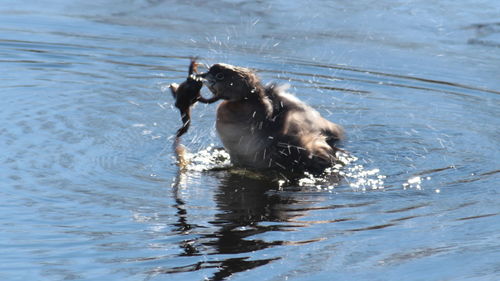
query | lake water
[91, 189]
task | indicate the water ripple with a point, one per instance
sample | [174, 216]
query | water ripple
[91, 189]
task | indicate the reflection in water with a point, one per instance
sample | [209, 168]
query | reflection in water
[86, 129]
[244, 199]
[182, 227]
[242, 202]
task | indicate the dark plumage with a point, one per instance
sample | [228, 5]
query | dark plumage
[186, 94]
[265, 127]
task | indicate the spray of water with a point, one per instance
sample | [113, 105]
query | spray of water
[347, 171]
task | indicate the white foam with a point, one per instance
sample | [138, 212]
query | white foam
[208, 159]
[356, 175]
[347, 170]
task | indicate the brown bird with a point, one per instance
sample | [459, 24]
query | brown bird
[265, 127]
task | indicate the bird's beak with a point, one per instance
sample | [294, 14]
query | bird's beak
[206, 78]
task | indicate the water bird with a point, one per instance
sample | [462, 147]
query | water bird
[265, 127]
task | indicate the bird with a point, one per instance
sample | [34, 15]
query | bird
[265, 127]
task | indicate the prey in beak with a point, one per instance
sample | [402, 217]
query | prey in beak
[208, 80]
[187, 94]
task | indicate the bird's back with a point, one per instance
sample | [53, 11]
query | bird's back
[294, 138]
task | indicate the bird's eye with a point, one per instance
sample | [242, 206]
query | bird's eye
[219, 76]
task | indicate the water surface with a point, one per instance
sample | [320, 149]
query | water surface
[90, 188]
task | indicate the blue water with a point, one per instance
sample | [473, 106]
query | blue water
[91, 190]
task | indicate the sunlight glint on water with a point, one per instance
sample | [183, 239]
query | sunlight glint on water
[91, 189]
[350, 171]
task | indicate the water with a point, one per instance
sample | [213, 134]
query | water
[90, 189]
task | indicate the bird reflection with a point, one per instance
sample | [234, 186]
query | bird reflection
[242, 202]
[182, 226]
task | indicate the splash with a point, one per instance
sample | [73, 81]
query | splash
[416, 183]
[347, 170]
[210, 158]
